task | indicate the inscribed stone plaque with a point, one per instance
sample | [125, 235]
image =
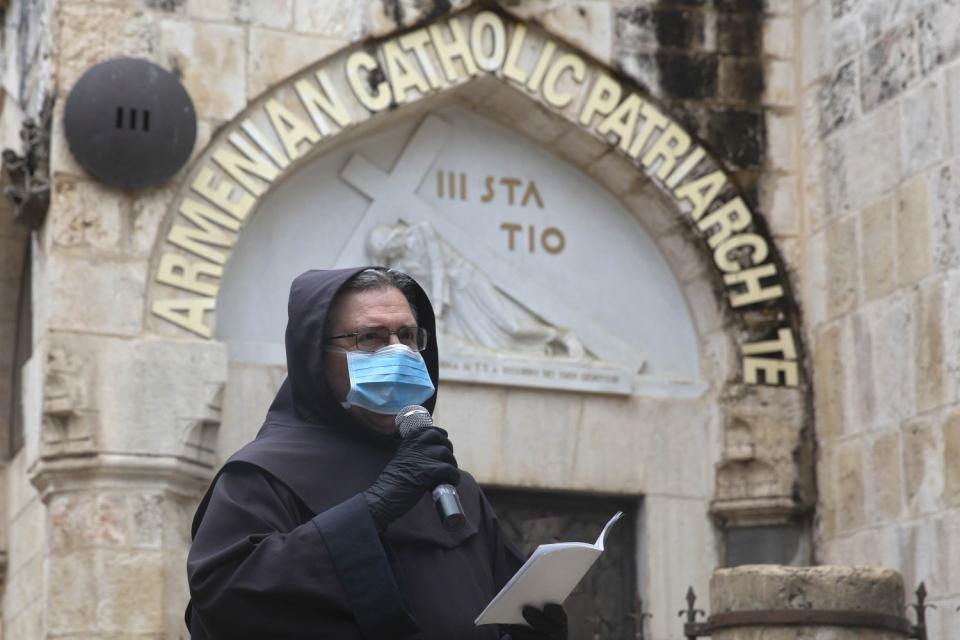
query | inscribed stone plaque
[538, 276]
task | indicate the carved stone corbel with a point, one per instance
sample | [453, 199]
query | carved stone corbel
[28, 175]
[765, 475]
[65, 428]
[199, 435]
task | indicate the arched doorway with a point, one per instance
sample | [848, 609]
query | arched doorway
[532, 405]
[632, 301]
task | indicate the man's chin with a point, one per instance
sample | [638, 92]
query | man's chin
[379, 422]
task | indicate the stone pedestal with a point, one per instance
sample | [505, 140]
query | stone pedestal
[788, 603]
[117, 535]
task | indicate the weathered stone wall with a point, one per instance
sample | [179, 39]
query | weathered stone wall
[97, 539]
[26, 41]
[881, 91]
[746, 594]
[724, 68]
[860, 188]
[727, 69]
[26, 532]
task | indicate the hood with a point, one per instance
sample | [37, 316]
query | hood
[305, 396]
[307, 441]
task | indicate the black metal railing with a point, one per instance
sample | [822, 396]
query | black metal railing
[698, 624]
[805, 617]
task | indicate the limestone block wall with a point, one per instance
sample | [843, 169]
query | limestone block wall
[89, 548]
[840, 117]
[727, 69]
[25, 582]
[881, 146]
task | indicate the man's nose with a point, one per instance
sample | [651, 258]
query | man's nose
[394, 338]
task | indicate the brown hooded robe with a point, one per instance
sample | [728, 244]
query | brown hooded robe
[283, 543]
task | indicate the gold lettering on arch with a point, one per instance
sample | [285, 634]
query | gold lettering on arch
[258, 148]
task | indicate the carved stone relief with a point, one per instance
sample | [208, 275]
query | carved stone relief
[29, 174]
[494, 326]
[472, 312]
[763, 476]
[67, 428]
[199, 434]
[130, 398]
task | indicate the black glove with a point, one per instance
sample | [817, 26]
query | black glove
[549, 624]
[421, 462]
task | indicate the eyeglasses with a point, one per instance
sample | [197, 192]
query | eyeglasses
[373, 338]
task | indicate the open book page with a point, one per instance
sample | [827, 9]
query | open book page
[548, 575]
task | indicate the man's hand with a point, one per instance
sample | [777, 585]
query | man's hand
[549, 624]
[421, 462]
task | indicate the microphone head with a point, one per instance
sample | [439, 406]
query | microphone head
[412, 419]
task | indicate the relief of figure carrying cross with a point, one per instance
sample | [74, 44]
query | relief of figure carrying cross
[480, 301]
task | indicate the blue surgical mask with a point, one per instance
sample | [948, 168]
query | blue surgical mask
[387, 380]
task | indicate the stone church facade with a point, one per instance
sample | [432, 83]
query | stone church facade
[717, 241]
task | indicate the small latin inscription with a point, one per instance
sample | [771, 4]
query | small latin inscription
[544, 374]
[513, 192]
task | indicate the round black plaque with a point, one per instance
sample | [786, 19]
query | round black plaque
[130, 123]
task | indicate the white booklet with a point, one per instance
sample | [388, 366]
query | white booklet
[549, 575]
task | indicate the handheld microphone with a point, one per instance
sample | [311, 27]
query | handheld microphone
[410, 421]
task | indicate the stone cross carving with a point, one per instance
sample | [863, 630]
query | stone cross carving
[467, 303]
[393, 198]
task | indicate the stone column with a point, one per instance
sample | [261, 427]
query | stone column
[827, 603]
[118, 529]
[124, 454]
